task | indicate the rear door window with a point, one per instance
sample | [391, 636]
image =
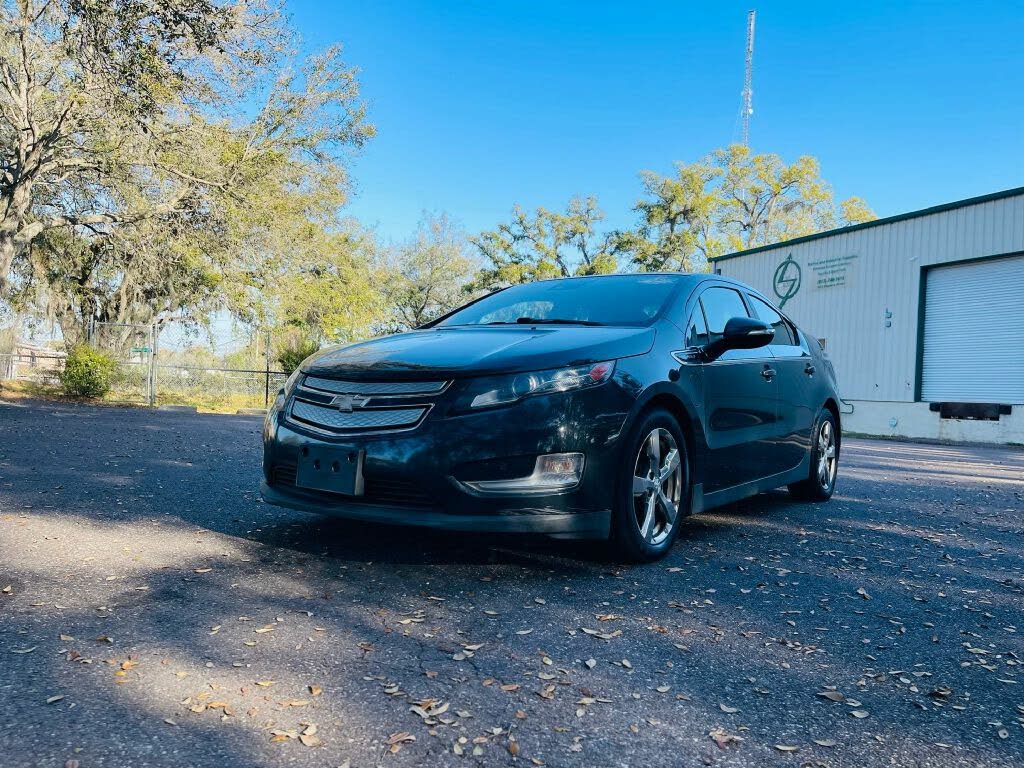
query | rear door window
[784, 335]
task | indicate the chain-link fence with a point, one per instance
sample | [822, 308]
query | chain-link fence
[220, 388]
[31, 366]
[216, 369]
[131, 345]
[27, 352]
[219, 367]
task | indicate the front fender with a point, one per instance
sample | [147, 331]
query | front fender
[684, 398]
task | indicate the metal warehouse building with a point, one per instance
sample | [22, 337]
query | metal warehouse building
[921, 313]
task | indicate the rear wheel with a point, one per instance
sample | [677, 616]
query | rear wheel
[653, 489]
[821, 480]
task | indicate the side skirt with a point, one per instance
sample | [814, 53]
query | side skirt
[754, 487]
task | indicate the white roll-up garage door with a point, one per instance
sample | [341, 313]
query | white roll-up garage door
[974, 333]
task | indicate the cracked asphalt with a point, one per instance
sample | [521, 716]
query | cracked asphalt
[154, 612]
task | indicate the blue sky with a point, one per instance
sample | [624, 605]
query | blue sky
[482, 105]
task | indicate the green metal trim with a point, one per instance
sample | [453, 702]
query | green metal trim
[973, 259]
[922, 286]
[877, 222]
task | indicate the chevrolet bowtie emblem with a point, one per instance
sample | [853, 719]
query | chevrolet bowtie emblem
[345, 403]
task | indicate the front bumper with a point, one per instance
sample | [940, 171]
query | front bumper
[413, 477]
[579, 524]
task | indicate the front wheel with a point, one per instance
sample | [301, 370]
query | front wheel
[653, 489]
[821, 480]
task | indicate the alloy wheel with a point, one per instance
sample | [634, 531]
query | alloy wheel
[827, 460]
[657, 486]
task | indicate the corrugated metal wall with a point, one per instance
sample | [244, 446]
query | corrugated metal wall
[871, 322]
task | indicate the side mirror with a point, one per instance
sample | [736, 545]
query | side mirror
[741, 333]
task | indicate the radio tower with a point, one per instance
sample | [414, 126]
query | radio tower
[747, 108]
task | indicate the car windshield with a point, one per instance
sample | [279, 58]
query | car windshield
[630, 300]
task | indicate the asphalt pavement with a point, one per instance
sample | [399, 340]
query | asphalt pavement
[154, 612]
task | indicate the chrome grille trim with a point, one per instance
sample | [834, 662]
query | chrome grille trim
[378, 388]
[332, 420]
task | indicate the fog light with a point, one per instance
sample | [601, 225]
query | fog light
[559, 468]
[551, 473]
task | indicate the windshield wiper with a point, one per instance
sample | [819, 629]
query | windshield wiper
[554, 321]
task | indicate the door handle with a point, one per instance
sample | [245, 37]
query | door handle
[768, 373]
[809, 369]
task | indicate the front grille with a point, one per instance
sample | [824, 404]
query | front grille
[341, 407]
[379, 388]
[393, 492]
[401, 493]
[364, 419]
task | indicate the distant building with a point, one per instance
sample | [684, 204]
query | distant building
[921, 313]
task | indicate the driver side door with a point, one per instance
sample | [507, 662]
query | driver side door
[741, 393]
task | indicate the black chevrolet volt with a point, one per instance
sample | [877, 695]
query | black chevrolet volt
[589, 407]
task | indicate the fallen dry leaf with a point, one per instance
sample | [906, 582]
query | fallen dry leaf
[396, 740]
[309, 738]
[723, 739]
[601, 635]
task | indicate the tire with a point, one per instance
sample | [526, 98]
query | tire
[821, 476]
[643, 524]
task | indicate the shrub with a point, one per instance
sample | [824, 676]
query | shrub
[88, 373]
[292, 357]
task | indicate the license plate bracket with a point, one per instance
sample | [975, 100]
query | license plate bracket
[330, 468]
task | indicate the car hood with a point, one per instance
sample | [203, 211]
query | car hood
[471, 351]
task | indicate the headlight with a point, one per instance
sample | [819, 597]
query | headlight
[289, 383]
[279, 400]
[502, 390]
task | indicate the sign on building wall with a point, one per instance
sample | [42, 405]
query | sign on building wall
[787, 280]
[833, 271]
[826, 272]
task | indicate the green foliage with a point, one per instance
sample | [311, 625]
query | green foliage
[426, 276]
[543, 245]
[144, 196]
[329, 290]
[88, 373]
[676, 229]
[730, 200]
[291, 358]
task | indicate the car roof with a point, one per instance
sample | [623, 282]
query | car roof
[677, 275]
